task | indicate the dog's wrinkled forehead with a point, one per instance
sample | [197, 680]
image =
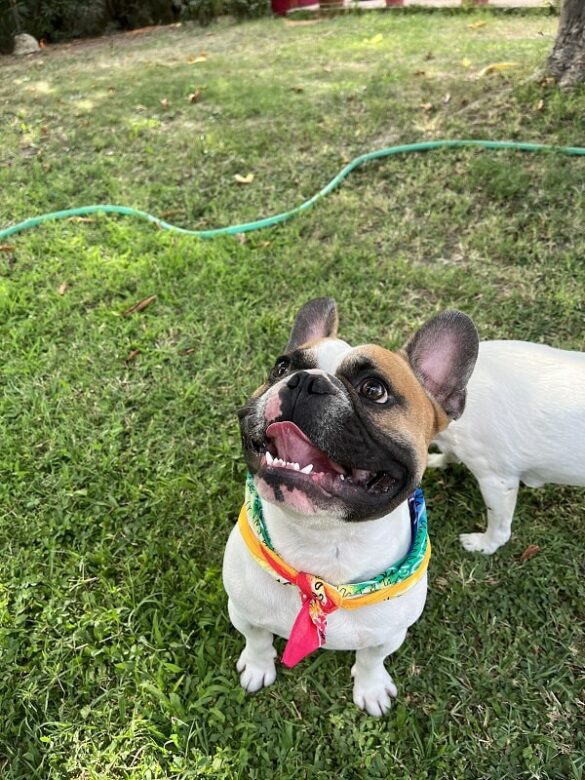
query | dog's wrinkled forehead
[329, 354]
[337, 357]
[314, 344]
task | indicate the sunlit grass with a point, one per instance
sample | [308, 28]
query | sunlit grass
[120, 469]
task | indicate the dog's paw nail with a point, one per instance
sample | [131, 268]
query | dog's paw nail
[375, 696]
[478, 543]
[253, 677]
[375, 704]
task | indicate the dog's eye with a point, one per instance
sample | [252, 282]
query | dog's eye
[280, 367]
[373, 390]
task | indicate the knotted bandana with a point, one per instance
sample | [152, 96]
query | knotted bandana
[318, 597]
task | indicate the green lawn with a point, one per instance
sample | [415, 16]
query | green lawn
[120, 470]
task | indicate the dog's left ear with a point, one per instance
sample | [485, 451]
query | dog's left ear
[316, 320]
[442, 355]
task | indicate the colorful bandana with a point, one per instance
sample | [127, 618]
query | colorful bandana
[318, 597]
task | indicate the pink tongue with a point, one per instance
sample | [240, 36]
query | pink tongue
[293, 446]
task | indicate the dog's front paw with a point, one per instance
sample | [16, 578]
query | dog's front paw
[374, 693]
[479, 543]
[256, 673]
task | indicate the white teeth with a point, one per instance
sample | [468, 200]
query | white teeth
[283, 464]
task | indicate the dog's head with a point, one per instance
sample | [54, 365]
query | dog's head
[344, 432]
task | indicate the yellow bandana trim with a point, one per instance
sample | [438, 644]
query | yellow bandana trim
[275, 565]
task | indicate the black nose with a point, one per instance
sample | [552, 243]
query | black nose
[311, 384]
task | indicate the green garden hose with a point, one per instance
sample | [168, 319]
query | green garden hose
[286, 215]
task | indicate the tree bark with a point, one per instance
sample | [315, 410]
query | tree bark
[567, 59]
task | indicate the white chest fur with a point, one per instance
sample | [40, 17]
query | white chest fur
[337, 551]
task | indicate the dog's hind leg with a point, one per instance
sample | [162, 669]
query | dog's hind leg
[373, 688]
[256, 662]
[500, 496]
[439, 460]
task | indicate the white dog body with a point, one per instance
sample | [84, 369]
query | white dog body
[336, 441]
[339, 552]
[524, 421]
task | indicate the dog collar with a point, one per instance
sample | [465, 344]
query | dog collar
[318, 597]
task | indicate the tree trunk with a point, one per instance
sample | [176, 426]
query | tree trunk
[567, 59]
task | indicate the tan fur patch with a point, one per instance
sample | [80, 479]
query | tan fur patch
[422, 418]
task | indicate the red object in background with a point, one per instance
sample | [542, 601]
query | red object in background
[280, 7]
[390, 3]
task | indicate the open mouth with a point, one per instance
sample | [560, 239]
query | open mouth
[287, 453]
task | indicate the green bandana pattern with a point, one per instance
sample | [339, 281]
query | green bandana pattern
[396, 573]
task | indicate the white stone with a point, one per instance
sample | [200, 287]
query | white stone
[25, 44]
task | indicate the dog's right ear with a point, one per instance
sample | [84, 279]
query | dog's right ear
[442, 355]
[316, 320]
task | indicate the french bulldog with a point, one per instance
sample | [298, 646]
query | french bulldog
[336, 442]
[524, 422]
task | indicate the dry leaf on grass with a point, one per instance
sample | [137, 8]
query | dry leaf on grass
[298, 89]
[477, 25]
[241, 237]
[62, 289]
[427, 107]
[247, 179]
[188, 351]
[164, 103]
[529, 552]
[132, 355]
[547, 81]
[540, 105]
[195, 97]
[140, 306]
[7, 248]
[201, 57]
[376, 39]
[497, 67]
